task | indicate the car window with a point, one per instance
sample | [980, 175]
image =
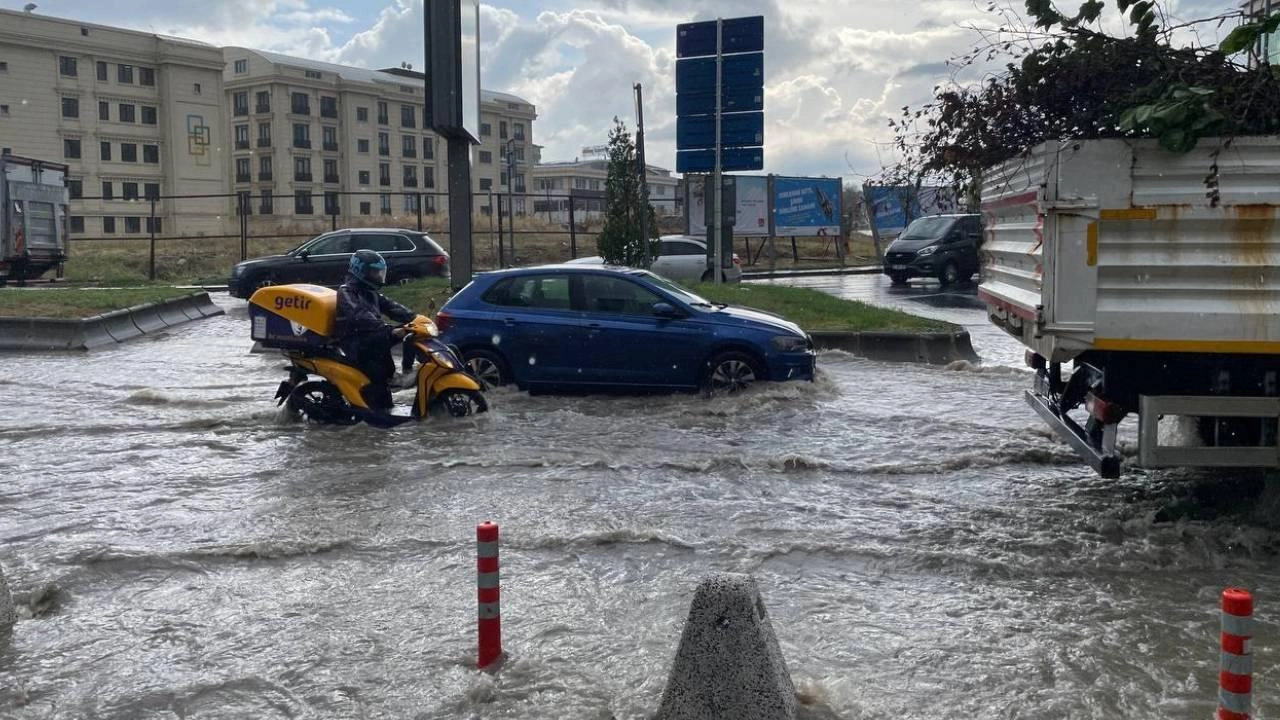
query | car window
[667, 247]
[429, 245]
[532, 291]
[684, 247]
[332, 245]
[381, 242]
[601, 293]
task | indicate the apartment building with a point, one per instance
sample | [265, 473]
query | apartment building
[585, 181]
[1270, 44]
[134, 115]
[313, 139]
[506, 154]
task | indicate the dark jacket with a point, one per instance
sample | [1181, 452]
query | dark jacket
[360, 311]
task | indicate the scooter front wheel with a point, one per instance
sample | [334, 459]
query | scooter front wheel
[320, 402]
[461, 403]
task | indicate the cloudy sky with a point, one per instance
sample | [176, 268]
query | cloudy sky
[835, 70]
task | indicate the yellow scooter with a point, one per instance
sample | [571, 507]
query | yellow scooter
[299, 319]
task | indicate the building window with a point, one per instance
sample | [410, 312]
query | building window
[430, 203]
[104, 112]
[486, 157]
[151, 191]
[502, 179]
[486, 184]
[520, 155]
[107, 193]
[129, 191]
[154, 225]
[580, 183]
[410, 175]
[302, 136]
[300, 104]
[196, 88]
[77, 223]
[147, 76]
[329, 135]
[240, 104]
[262, 102]
[4, 111]
[108, 226]
[362, 146]
[302, 169]
[331, 171]
[363, 177]
[133, 225]
[486, 129]
[71, 148]
[67, 66]
[382, 114]
[331, 203]
[128, 113]
[124, 76]
[302, 203]
[411, 203]
[384, 144]
[407, 116]
[362, 114]
[242, 67]
[428, 148]
[502, 130]
[384, 174]
[149, 116]
[366, 208]
[243, 198]
[518, 131]
[243, 174]
[70, 107]
[151, 154]
[266, 205]
[328, 107]
[104, 149]
[428, 177]
[75, 188]
[408, 146]
[313, 74]
[385, 203]
[264, 134]
[102, 71]
[264, 168]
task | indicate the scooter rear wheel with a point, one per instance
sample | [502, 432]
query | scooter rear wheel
[320, 402]
[461, 403]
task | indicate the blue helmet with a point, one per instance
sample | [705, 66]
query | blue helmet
[368, 267]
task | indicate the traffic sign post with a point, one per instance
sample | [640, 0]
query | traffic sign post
[719, 109]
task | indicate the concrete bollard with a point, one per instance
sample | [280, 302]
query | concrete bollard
[8, 616]
[1235, 676]
[729, 664]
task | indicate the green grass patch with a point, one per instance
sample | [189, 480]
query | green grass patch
[816, 311]
[78, 303]
[424, 296]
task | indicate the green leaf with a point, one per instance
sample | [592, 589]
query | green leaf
[1139, 10]
[1124, 4]
[1128, 120]
[1241, 39]
[1177, 140]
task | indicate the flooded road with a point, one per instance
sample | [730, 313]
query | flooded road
[925, 550]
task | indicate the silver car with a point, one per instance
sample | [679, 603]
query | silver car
[682, 258]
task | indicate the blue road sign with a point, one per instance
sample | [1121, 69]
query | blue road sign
[696, 75]
[737, 130]
[731, 159]
[731, 101]
[737, 35]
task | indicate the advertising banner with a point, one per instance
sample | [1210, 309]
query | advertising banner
[806, 206]
[752, 211]
[891, 208]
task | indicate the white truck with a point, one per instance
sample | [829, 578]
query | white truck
[33, 217]
[1156, 276]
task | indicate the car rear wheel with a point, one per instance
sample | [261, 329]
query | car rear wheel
[488, 367]
[731, 372]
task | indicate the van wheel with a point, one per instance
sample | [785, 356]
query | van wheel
[708, 277]
[731, 372]
[488, 367]
[950, 274]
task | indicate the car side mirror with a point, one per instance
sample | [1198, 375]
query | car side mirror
[305, 254]
[667, 311]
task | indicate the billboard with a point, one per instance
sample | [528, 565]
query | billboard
[890, 208]
[806, 206]
[752, 211]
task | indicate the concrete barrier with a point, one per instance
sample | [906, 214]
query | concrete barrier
[171, 313]
[729, 664]
[8, 616]
[147, 318]
[206, 306]
[118, 325]
[935, 348]
[25, 334]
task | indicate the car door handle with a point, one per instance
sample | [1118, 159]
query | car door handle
[509, 321]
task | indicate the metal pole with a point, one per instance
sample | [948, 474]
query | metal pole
[573, 230]
[151, 272]
[501, 255]
[243, 202]
[644, 177]
[716, 220]
[419, 212]
[511, 203]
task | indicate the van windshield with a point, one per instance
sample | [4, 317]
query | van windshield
[927, 227]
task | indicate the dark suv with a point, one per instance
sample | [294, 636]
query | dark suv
[323, 260]
[941, 246]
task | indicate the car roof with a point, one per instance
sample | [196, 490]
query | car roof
[564, 267]
[376, 229]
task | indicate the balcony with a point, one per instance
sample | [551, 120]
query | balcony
[264, 177]
[243, 177]
[262, 109]
[241, 111]
[384, 120]
[242, 144]
[301, 143]
[384, 181]
[331, 179]
[264, 142]
[409, 154]
[411, 182]
[329, 113]
[302, 177]
[331, 147]
[300, 109]
[518, 136]
[384, 151]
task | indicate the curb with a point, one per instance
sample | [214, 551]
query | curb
[934, 348]
[117, 326]
[816, 272]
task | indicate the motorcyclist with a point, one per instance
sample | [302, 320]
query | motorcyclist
[362, 335]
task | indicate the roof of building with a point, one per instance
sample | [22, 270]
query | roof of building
[593, 165]
[112, 28]
[495, 96]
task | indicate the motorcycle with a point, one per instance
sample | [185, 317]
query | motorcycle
[298, 319]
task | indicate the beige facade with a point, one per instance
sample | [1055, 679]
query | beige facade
[506, 149]
[585, 180]
[130, 113]
[318, 138]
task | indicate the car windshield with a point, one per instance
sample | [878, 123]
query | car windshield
[928, 227]
[683, 294]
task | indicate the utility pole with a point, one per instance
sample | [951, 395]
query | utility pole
[644, 177]
[511, 184]
[717, 218]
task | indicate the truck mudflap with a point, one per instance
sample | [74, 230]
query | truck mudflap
[1264, 454]
[1104, 460]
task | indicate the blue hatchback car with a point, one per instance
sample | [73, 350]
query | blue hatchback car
[608, 328]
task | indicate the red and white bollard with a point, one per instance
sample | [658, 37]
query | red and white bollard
[489, 618]
[1235, 675]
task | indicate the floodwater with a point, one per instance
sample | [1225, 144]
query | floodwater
[924, 548]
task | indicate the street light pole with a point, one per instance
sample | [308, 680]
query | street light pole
[644, 177]
[511, 184]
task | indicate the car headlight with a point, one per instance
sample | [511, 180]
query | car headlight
[922, 252]
[789, 343]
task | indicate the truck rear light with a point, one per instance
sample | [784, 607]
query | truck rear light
[1104, 411]
[443, 320]
[1035, 361]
